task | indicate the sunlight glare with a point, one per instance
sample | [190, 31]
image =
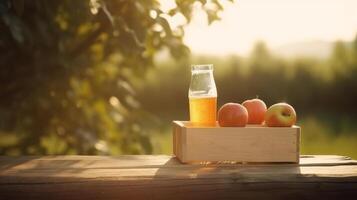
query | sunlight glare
[277, 22]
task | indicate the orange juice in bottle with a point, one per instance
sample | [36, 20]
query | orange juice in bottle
[202, 96]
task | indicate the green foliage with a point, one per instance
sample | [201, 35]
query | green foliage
[68, 72]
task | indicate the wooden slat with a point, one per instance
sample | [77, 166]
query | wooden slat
[144, 161]
[163, 177]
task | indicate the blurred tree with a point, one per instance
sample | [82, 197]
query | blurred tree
[354, 51]
[343, 64]
[68, 70]
[260, 55]
[340, 59]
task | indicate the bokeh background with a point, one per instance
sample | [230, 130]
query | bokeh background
[108, 77]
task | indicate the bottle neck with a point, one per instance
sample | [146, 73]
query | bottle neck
[202, 84]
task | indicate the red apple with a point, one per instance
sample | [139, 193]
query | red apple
[256, 110]
[280, 115]
[232, 114]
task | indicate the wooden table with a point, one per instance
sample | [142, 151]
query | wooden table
[163, 177]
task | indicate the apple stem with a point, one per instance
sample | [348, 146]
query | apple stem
[286, 114]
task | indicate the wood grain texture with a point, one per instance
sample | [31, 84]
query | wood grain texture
[164, 177]
[253, 143]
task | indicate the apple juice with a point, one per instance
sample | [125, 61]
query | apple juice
[203, 111]
[202, 96]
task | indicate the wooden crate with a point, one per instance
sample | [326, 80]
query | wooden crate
[239, 144]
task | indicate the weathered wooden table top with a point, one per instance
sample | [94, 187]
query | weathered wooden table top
[163, 177]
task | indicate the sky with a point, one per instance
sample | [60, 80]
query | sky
[277, 22]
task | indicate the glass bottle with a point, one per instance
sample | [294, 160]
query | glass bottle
[202, 96]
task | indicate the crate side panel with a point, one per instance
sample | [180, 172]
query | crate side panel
[177, 140]
[242, 144]
[298, 143]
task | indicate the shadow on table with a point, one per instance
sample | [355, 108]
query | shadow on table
[228, 180]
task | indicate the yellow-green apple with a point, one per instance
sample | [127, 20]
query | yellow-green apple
[232, 114]
[280, 115]
[256, 110]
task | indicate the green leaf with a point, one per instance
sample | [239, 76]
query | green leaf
[219, 5]
[212, 16]
[172, 12]
[165, 24]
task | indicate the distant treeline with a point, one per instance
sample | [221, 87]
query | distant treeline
[311, 85]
